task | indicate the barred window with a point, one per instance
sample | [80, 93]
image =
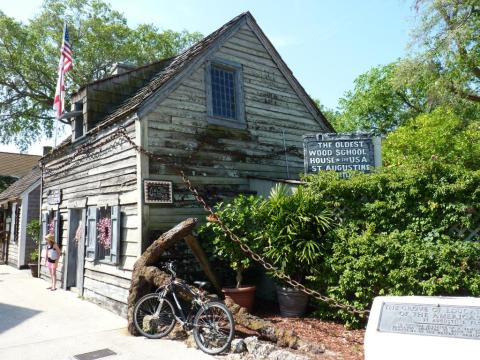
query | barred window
[223, 92]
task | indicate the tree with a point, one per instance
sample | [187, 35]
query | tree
[448, 37]
[380, 103]
[443, 70]
[440, 135]
[100, 37]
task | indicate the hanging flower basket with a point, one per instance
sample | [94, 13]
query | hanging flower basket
[104, 228]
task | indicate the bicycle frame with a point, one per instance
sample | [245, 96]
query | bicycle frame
[184, 320]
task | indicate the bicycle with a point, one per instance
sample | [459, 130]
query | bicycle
[212, 323]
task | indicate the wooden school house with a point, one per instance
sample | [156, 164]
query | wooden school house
[227, 111]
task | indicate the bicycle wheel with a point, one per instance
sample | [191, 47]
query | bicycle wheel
[213, 328]
[151, 321]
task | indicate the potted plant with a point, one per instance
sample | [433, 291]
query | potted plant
[293, 236]
[242, 217]
[33, 230]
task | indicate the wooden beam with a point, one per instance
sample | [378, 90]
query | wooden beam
[200, 255]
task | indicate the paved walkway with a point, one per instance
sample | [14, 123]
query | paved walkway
[38, 324]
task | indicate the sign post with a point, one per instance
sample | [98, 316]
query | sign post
[341, 152]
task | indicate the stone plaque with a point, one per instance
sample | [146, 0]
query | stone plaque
[340, 152]
[54, 197]
[423, 327]
[431, 320]
[158, 192]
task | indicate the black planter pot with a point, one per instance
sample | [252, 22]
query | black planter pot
[293, 302]
[34, 269]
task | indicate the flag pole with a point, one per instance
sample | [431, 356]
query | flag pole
[65, 65]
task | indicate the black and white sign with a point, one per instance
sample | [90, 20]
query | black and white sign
[158, 192]
[340, 152]
[54, 197]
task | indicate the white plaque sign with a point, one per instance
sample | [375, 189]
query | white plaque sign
[418, 327]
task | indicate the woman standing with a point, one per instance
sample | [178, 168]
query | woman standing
[51, 260]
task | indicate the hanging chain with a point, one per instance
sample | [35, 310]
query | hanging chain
[121, 132]
[259, 259]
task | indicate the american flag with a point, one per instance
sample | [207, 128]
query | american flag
[65, 65]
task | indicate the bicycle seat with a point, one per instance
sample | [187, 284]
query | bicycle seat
[200, 284]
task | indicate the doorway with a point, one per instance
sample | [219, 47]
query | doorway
[75, 261]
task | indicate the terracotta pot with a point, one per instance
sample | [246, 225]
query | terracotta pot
[243, 296]
[34, 269]
[293, 302]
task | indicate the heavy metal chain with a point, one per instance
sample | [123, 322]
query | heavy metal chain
[122, 133]
[245, 248]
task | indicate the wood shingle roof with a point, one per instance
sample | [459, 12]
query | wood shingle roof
[17, 165]
[18, 187]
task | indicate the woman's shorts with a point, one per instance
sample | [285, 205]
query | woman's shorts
[52, 265]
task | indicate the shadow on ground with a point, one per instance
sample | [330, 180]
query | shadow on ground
[11, 316]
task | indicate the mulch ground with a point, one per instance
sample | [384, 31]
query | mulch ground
[340, 343]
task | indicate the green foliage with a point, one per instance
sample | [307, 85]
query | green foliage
[293, 231]
[447, 37]
[428, 199]
[6, 181]
[442, 71]
[402, 230]
[441, 135]
[399, 231]
[378, 103]
[287, 229]
[365, 264]
[33, 230]
[245, 218]
[99, 36]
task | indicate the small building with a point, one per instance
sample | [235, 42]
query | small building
[227, 111]
[19, 204]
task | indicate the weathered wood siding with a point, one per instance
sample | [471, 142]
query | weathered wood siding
[108, 179]
[219, 159]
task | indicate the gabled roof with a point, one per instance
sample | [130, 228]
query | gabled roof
[17, 165]
[178, 64]
[18, 187]
[175, 67]
[162, 83]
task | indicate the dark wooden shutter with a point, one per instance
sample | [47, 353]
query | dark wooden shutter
[92, 219]
[58, 227]
[116, 235]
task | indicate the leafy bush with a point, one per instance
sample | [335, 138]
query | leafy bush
[33, 230]
[442, 134]
[293, 230]
[399, 231]
[243, 217]
[366, 264]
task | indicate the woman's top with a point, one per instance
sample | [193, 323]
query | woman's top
[52, 254]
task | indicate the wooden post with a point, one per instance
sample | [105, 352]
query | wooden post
[200, 255]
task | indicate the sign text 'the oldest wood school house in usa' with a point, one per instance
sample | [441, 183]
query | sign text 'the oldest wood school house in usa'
[341, 152]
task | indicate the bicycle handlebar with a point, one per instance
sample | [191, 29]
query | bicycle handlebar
[170, 266]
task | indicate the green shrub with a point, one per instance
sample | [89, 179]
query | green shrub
[399, 231]
[365, 264]
[293, 231]
[243, 216]
[33, 230]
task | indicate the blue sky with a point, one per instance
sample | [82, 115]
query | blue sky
[326, 43]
